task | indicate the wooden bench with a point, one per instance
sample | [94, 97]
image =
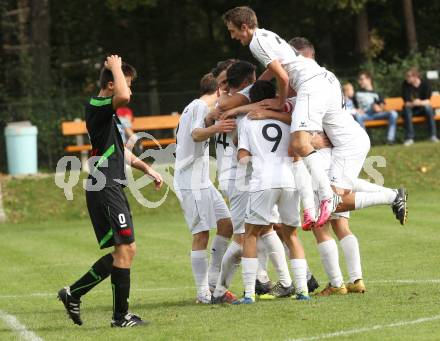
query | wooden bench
[146, 123]
[397, 104]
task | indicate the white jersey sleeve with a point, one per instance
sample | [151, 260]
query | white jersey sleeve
[192, 158]
[267, 46]
[245, 92]
[199, 112]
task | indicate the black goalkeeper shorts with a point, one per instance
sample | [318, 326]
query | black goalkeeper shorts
[111, 216]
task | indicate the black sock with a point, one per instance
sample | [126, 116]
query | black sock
[121, 291]
[98, 272]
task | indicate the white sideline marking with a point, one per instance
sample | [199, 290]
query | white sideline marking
[54, 294]
[368, 329]
[12, 322]
[404, 281]
[385, 281]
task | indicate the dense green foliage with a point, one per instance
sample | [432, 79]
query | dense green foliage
[172, 43]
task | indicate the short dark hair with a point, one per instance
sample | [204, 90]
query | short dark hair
[301, 43]
[241, 15]
[366, 74]
[208, 84]
[414, 72]
[106, 75]
[262, 90]
[222, 66]
[239, 72]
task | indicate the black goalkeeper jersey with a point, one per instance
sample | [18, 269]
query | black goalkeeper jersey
[102, 125]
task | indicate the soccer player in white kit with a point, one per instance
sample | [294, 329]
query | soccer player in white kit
[272, 184]
[240, 76]
[203, 206]
[307, 78]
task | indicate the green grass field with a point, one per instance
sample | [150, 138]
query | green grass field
[50, 243]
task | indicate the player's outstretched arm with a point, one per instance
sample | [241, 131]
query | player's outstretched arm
[203, 134]
[267, 75]
[226, 102]
[233, 113]
[283, 86]
[213, 116]
[121, 91]
[135, 162]
[265, 114]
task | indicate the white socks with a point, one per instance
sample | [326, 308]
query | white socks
[303, 182]
[218, 249]
[231, 260]
[199, 263]
[328, 251]
[249, 270]
[367, 199]
[350, 246]
[299, 269]
[275, 251]
[314, 163]
[361, 185]
[262, 262]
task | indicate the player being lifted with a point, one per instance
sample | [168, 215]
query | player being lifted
[108, 206]
[319, 106]
[307, 78]
[203, 206]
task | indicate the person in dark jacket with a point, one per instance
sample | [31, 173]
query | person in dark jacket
[416, 93]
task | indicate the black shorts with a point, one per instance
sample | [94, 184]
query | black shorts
[111, 216]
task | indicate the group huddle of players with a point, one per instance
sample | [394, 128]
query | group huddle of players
[275, 151]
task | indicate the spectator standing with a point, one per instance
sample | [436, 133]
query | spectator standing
[371, 106]
[416, 94]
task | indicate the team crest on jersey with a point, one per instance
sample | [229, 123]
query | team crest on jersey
[303, 125]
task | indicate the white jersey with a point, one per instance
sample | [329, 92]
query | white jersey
[268, 142]
[192, 158]
[267, 46]
[339, 125]
[226, 151]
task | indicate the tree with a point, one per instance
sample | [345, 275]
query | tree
[40, 46]
[362, 33]
[410, 25]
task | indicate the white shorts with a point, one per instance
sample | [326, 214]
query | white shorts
[316, 97]
[237, 205]
[347, 162]
[202, 208]
[260, 209]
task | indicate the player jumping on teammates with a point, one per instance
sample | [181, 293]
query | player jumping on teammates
[348, 169]
[203, 206]
[108, 206]
[319, 106]
[307, 78]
